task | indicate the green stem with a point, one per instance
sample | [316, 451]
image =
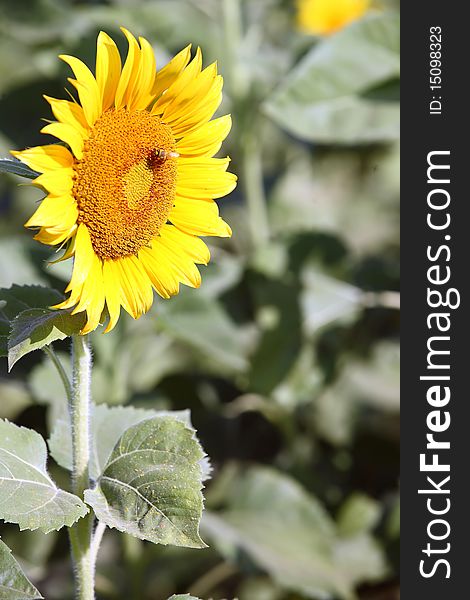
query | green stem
[49, 350]
[246, 112]
[83, 553]
[232, 30]
[254, 188]
[206, 584]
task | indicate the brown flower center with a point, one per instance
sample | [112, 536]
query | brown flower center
[125, 183]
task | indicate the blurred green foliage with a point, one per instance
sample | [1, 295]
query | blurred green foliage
[287, 356]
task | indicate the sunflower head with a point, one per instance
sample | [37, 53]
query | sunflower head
[132, 186]
[324, 17]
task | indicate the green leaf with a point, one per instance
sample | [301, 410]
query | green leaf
[200, 322]
[13, 165]
[14, 585]
[360, 558]
[324, 98]
[108, 423]
[15, 397]
[28, 323]
[278, 313]
[285, 531]
[151, 485]
[18, 298]
[325, 300]
[29, 496]
[357, 515]
[374, 382]
[33, 329]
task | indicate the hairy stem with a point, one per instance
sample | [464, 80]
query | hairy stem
[83, 553]
[49, 350]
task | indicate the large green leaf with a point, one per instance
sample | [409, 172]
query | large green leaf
[13, 165]
[18, 298]
[33, 329]
[151, 485]
[324, 98]
[108, 423]
[24, 310]
[357, 553]
[325, 300]
[14, 398]
[286, 532]
[28, 495]
[201, 323]
[14, 585]
[278, 312]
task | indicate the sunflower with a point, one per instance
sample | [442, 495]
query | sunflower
[134, 185]
[324, 17]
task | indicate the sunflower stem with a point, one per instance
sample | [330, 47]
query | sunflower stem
[49, 350]
[83, 553]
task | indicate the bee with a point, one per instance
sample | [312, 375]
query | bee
[159, 156]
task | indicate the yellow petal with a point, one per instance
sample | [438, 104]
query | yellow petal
[136, 287]
[201, 111]
[71, 300]
[170, 72]
[83, 259]
[108, 68]
[69, 252]
[89, 98]
[92, 297]
[58, 182]
[146, 76]
[190, 95]
[129, 299]
[204, 178]
[198, 217]
[86, 86]
[143, 283]
[112, 290]
[68, 112]
[130, 73]
[206, 141]
[181, 265]
[160, 273]
[191, 245]
[45, 158]
[185, 78]
[68, 134]
[54, 211]
[53, 237]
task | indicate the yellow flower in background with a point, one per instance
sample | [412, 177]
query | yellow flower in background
[323, 17]
[137, 186]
